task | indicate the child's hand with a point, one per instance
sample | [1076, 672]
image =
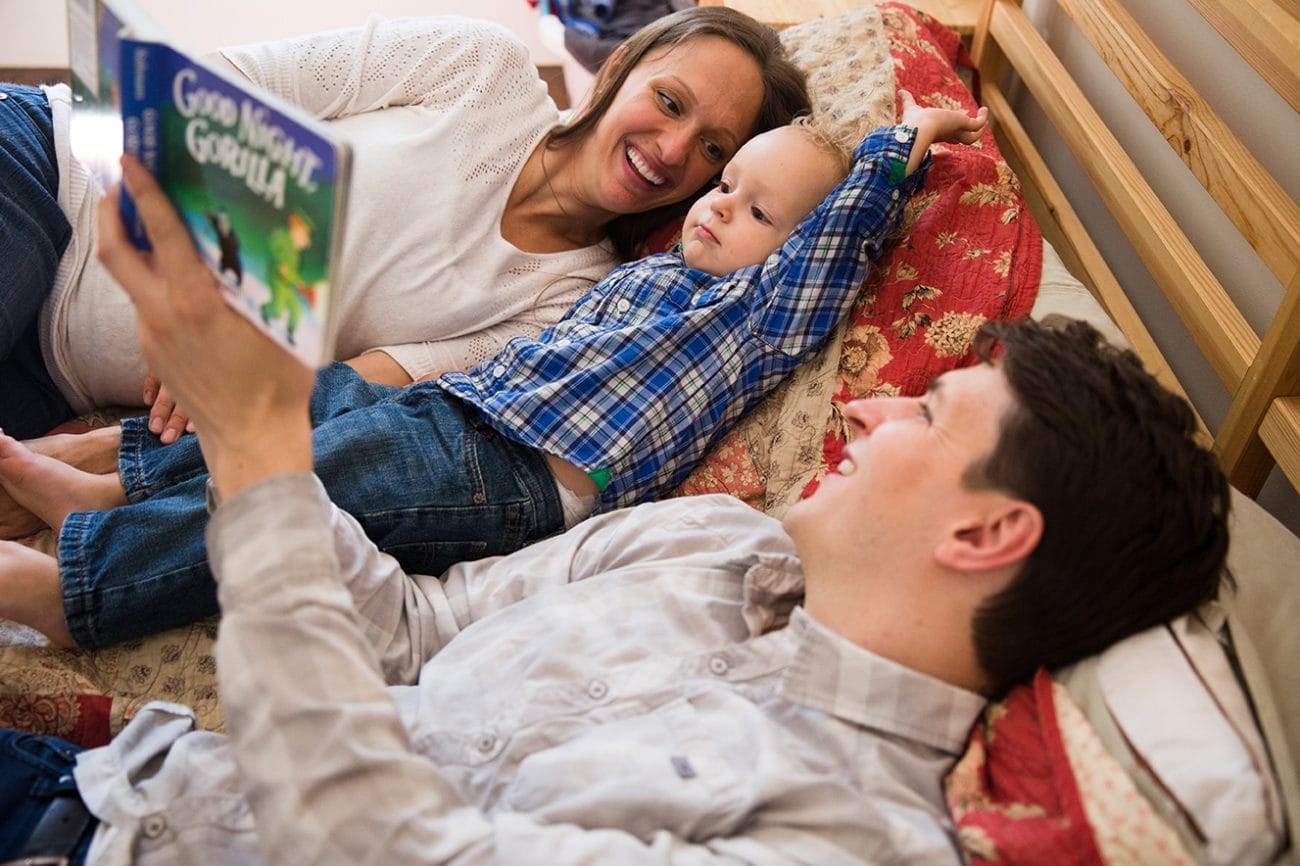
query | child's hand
[938, 124]
[942, 124]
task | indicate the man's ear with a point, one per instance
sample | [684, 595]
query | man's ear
[1003, 534]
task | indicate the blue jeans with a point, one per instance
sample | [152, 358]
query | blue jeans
[424, 475]
[32, 770]
[34, 232]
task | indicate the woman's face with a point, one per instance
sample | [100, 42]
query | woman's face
[679, 116]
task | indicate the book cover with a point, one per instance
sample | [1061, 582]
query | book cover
[259, 183]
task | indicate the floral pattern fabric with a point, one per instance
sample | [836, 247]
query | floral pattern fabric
[1036, 785]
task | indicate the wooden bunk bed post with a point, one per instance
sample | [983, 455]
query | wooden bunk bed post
[1259, 208]
[1261, 427]
[1262, 32]
[1063, 228]
[1058, 219]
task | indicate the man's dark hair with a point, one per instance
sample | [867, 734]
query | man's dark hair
[1134, 506]
[785, 95]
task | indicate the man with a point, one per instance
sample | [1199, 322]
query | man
[686, 681]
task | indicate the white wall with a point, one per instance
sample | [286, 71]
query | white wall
[1265, 123]
[34, 33]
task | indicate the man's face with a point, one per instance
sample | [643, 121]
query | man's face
[899, 487]
[772, 183]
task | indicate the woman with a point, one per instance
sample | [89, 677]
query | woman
[474, 214]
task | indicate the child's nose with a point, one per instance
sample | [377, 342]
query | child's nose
[722, 206]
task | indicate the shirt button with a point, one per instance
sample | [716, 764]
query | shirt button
[4, 96]
[485, 742]
[894, 195]
[900, 135]
[499, 370]
[153, 826]
[718, 665]
[597, 690]
[623, 305]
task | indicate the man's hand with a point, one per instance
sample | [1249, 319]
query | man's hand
[246, 395]
[939, 124]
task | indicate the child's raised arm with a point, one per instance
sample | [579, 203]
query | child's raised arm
[938, 124]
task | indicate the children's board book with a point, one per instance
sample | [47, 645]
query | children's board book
[260, 183]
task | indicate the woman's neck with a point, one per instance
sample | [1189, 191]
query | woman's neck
[544, 212]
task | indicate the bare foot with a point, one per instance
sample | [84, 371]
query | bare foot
[16, 521]
[30, 593]
[51, 489]
[94, 451]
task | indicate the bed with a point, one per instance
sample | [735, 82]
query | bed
[1178, 746]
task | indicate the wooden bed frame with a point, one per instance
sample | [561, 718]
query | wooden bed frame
[1262, 427]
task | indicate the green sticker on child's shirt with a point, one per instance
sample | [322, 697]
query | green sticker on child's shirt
[601, 476]
[897, 171]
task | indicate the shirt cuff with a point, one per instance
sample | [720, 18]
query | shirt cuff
[268, 527]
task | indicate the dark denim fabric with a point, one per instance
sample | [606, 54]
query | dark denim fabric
[32, 770]
[34, 232]
[426, 478]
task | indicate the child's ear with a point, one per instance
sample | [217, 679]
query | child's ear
[1004, 534]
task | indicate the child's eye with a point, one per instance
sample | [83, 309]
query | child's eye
[924, 411]
[669, 104]
[759, 215]
[723, 186]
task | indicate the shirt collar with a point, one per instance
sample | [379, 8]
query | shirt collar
[834, 675]
[773, 586]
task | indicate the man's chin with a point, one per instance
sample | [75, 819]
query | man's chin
[795, 515]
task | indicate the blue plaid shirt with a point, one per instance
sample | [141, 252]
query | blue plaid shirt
[652, 366]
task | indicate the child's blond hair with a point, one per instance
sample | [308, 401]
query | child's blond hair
[828, 142]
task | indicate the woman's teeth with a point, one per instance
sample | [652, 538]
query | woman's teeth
[642, 169]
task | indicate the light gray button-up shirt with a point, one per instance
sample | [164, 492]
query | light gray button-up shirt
[642, 689]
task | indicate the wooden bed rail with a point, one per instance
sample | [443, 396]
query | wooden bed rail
[1262, 426]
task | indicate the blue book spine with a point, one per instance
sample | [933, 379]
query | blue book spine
[144, 72]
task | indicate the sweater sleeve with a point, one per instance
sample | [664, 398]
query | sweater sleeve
[388, 62]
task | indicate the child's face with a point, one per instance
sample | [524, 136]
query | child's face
[772, 183]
